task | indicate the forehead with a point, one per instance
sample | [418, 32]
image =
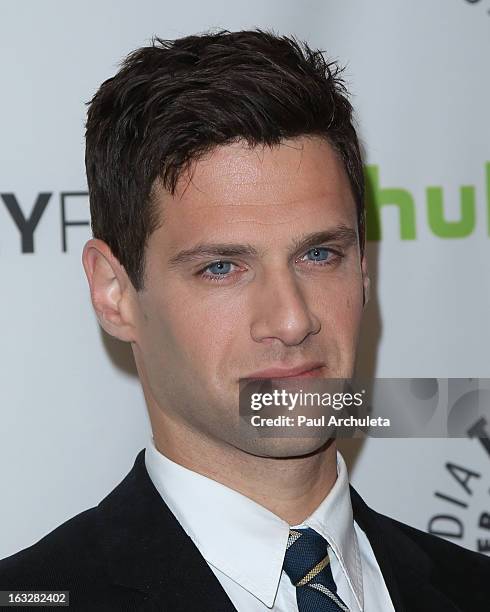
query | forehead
[236, 188]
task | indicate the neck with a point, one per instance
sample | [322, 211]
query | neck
[290, 487]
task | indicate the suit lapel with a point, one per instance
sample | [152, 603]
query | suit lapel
[406, 568]
[146, 549]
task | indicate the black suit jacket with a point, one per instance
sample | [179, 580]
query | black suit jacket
[130, 553]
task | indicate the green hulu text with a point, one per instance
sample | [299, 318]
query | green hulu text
[378, 196]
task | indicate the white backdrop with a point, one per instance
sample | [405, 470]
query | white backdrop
[72, 415]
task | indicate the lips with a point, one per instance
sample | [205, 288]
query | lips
[302, 371]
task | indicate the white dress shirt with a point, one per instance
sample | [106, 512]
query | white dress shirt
[244, 543]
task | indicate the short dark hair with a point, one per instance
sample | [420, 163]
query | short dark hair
[175, 100]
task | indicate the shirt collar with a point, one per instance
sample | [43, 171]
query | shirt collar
[243, 539]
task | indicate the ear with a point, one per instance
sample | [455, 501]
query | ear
[366, 281]
[111, 291]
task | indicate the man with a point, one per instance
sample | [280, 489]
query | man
[226, 192]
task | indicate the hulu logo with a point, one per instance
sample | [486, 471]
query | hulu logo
[377, 197]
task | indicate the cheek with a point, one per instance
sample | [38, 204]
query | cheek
[198, 331]
[349, 316]
[340, 306]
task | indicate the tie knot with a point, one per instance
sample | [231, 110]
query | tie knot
[306, 555]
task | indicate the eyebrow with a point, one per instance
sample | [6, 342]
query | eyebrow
[340, 234]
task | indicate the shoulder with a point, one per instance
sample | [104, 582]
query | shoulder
[69, 558]
[462, 576]
[448, 557]
[443, 573]
[67, 551]
[388, 533]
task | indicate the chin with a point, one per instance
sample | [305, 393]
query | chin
[283, 448]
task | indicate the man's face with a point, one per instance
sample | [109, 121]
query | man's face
[255, 266]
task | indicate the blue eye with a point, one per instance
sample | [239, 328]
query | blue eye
[319, 254]
[219, 271]
[219, 268]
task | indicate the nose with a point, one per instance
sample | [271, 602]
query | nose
[282, 312]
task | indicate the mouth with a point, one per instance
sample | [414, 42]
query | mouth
[303, 371]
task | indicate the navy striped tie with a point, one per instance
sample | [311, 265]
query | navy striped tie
[308, 566]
